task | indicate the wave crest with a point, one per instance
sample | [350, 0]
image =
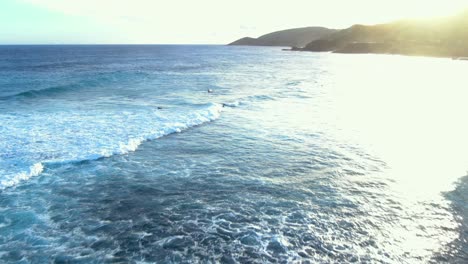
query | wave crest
[81, 138]
[13, 180]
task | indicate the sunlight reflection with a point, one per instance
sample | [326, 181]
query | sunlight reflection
[419, 128]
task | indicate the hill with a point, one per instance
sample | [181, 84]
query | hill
[443, 37]
[296, 37]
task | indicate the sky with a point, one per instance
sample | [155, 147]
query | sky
[193, 21]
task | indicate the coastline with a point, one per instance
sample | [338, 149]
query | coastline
[382, 52]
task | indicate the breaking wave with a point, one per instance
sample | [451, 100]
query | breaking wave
[58, 138]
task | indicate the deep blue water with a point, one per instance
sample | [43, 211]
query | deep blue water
[119, 154]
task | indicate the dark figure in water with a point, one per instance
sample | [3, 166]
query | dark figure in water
[159, 107]
[210, 91]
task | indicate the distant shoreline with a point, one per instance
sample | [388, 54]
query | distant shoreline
[462, 58]
[440, 37]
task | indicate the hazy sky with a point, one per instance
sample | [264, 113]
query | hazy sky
[193, 21]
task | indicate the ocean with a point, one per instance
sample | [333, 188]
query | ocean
[222, 154]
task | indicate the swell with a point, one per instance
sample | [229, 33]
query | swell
[210, 113]
[98, 80]
[46, 92]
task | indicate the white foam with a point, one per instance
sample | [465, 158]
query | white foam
[29, 143]
[131, 145]
[14, 179]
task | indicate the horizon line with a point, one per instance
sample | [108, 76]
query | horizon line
[112, 44]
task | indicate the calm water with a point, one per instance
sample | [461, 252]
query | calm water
[119, 154]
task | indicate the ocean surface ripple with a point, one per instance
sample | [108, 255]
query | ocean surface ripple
[119, 154]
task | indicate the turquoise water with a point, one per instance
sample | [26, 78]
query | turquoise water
[119, 154]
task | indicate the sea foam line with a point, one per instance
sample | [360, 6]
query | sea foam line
[212, 113]
[195, 119]
[34, 170]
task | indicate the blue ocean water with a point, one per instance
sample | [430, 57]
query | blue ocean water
[119, 154]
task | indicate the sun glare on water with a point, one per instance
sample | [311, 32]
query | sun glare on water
[418, 128]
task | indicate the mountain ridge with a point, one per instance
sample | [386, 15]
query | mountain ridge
[295, 37]
[441, 37]
[437, 37]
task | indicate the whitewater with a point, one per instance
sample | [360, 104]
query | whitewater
[120, 154]
[82, 135]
